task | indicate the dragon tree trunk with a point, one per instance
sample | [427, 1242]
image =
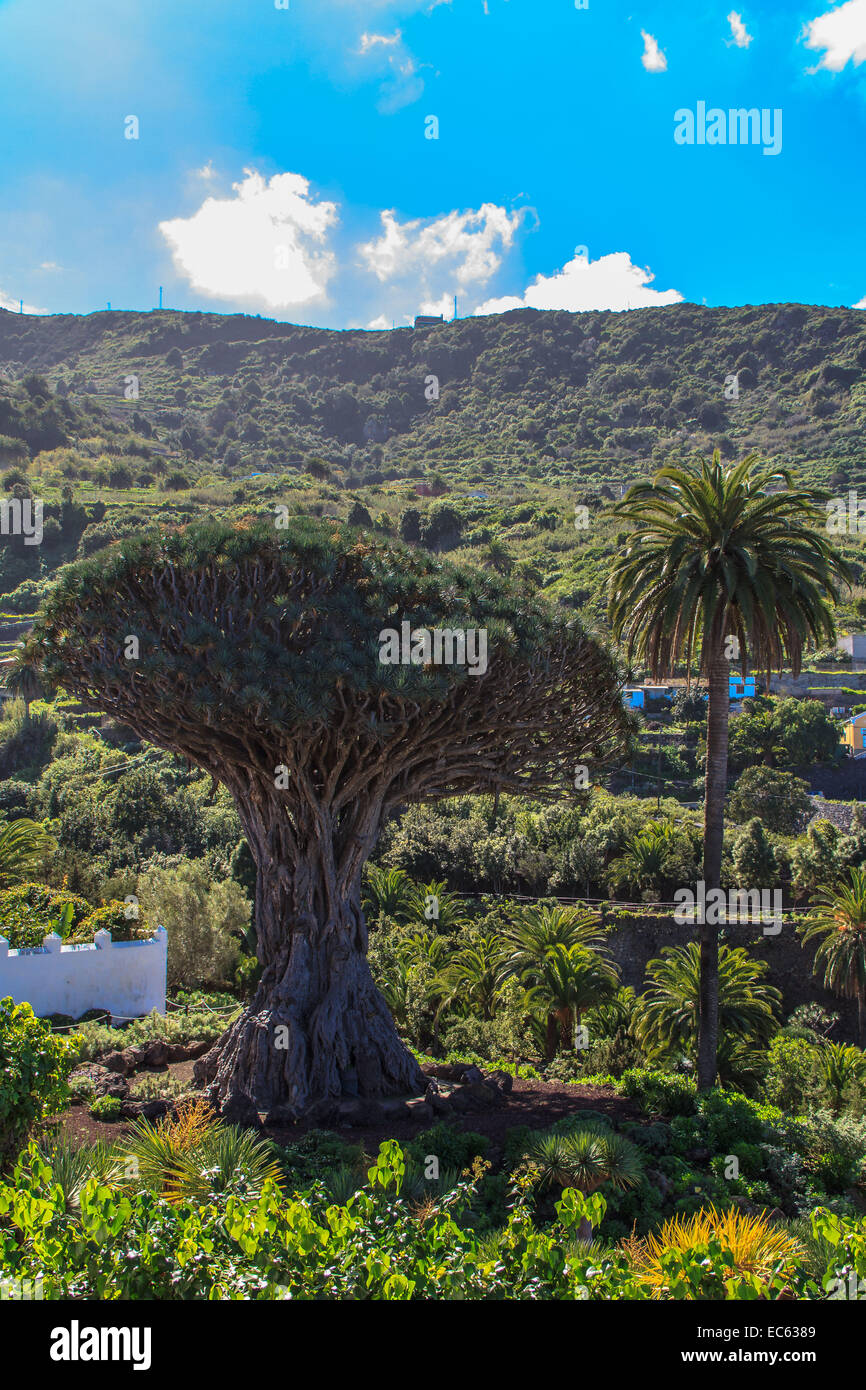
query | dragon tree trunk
[317, 1028]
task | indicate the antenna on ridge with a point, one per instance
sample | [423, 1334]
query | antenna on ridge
[160, 296]
[455, 306]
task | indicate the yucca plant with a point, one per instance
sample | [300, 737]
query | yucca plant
[228, 1159]
[192, 1156]
[588, 1158]
[735, 1243]
[71, 1168]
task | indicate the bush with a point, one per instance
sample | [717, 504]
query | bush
[777, 798]
[34, 1065]
[793, 1080]
[659, 1091]
[106, 1108]
[201, 918]
[30, 911]
[113, 917]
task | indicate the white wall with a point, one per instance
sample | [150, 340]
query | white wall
[126, 978]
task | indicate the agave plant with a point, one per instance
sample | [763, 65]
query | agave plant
[587, 1159]
[750, 1245]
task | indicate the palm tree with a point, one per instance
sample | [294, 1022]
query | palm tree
[842, 1066]
[586, 1159]
[642, 861]
[474, 976]
[24, 845]
[387, 893]
[22, 681]
[566, 981]
[538, 928]
[433, 903]
[723, 560]
[668, 1013]
[838, 920]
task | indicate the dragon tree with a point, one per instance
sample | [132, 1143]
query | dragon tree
[263, 656]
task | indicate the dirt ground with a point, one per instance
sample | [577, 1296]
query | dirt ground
[534, 1103]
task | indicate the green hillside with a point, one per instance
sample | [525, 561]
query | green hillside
[172, 414]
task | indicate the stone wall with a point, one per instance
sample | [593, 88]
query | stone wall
[635, 940]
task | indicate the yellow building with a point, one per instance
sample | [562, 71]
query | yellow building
[854, 733]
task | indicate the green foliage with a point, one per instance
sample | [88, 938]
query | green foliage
[659, 1092]
[667, 1014]
[34, 1065]
[106, 1108]
[779, 800]
[783, 733]
[202, 918]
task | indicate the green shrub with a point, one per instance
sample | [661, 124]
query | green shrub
[112, 917]
[106, 1108]
[659, 1091]
[793, 1080]
[455, 1148]
[34, 1065]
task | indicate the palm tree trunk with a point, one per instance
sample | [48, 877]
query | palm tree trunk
[714, 828]
[861, 1018]
[551, 1039]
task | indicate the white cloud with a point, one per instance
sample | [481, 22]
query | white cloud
[379, 323]
[369, 41]
[739, 33]
[652, 58]
[6, 302]
[266, 245]
[611, 282]
[50, 265]
[206, 172]
[463, 248]
[861, 303]
[402, 84]
[841, 33]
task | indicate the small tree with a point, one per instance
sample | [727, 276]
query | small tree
[258, 657]
[779, 799]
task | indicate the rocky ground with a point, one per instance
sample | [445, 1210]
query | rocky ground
[490, 1104]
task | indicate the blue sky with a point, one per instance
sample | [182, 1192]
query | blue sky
[283, 164]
